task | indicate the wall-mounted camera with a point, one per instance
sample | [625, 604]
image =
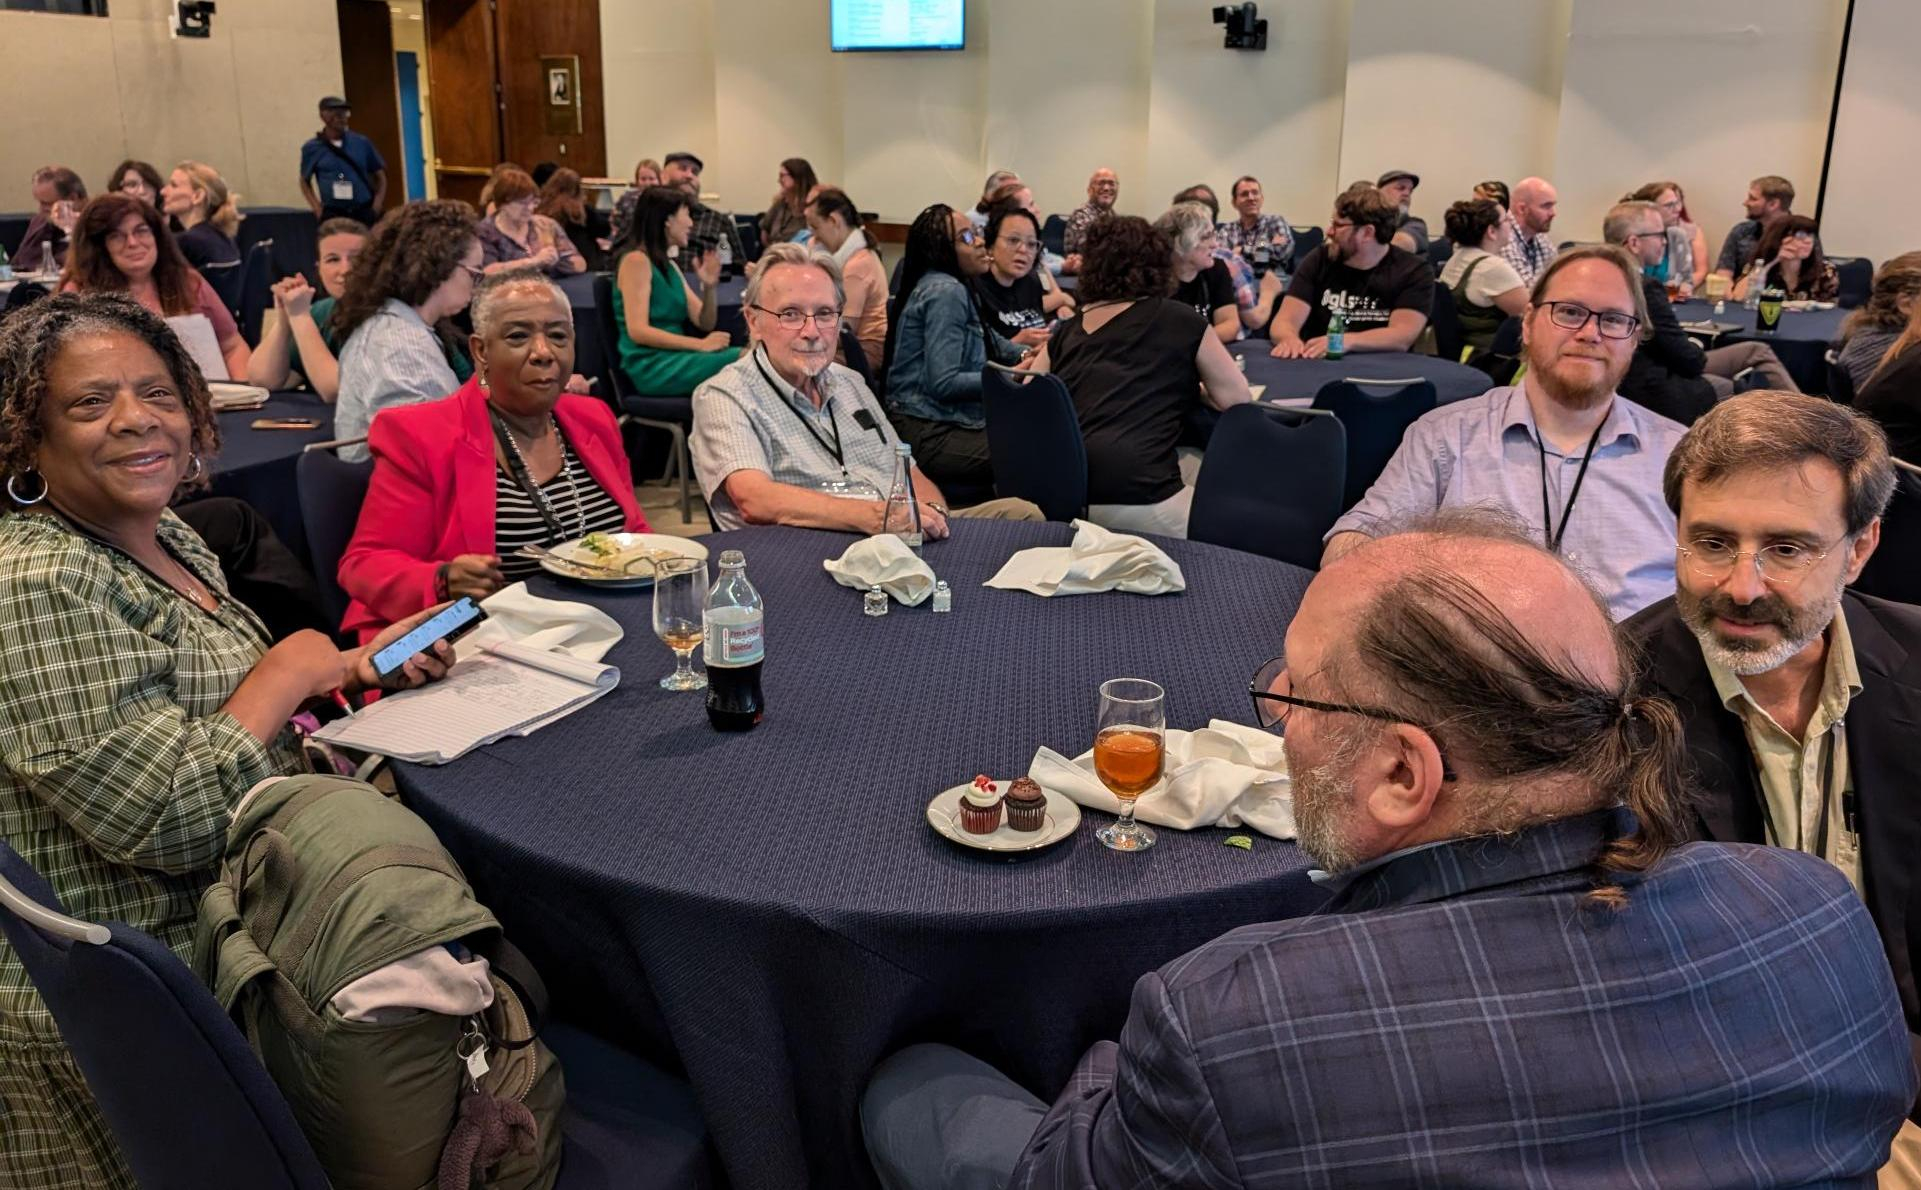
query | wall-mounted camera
[1245, 31]
[192, 18]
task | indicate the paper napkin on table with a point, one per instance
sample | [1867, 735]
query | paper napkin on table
[1097, 560]
[550, 625]
[886, 560]
[1226, 774]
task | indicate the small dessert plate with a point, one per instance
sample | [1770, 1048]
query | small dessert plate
[1062, 817]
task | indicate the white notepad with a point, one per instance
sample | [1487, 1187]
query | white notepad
[508, 689]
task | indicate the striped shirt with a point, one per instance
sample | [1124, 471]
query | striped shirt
[391, 359]
[577, 502]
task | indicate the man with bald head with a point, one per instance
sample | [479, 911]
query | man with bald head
[1530, 213]
[1520, 978]
[1103, 191]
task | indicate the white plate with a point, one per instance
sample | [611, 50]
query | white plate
[1063, 816]
[653, 541]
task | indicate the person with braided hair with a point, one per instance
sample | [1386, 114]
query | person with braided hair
[1522, 976]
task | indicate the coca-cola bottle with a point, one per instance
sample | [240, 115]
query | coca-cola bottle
[733, 647]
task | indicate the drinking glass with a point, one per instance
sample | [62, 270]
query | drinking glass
[1130, 750]
[680, 592]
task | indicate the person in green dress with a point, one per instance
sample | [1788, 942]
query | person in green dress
[299, 342]
[668, 344]
[139, 701]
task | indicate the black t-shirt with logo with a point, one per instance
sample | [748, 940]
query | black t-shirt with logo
[1011, 309]
[1401, 281]
[1211, 288]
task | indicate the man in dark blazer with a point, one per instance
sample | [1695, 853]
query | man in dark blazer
[1800, 700]
[1521, 979]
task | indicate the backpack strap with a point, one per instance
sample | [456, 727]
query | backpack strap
[516, 972]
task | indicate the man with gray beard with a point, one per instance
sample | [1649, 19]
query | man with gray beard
[1801, 700]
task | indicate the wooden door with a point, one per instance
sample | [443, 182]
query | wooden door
[367, 70]
[463, 95]
[527, 32]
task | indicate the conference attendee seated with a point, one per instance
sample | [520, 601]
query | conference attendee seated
[711, 228]
[1790, 249]
[646, 176]
[565, 201]
[1562, 436]
[1399, 186]
[58, 195]
[1255, 297]
[1530, 213]
[1265, 242]
[1767, 197]
[1136, 361]
[1523, 977]
[1671, 374]
[1873, 327]
[516, 235]
[196, 198]
[1015, 193]
[1385, 292]
[138, 179]
[1765, 653]
[1200, 280]
[668, 343]
[298, 343]
[1012, 300]
[1679, 266]
[415, 274]
[786, 217]
[122, 246]
[1494, 189]
[936, 349]
[1486, 290]
[1892, 394]
[512, 460]
[1103, 191]
[992, 195]
[839, 231]
[139, 701]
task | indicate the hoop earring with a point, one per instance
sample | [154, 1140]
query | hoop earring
[195, 473]
[15, 496]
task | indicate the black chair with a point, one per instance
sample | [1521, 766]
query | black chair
[1856, 274]
[256, 291]
[1446, 321]
[850, 350]
[1306, 239]
[128, 1008]
[1034, 441]
[1054, 234]
[1439, 251]
[749, 228]
[893, 285]
[1271, 483]
[1892, 573]
[1840, 381]
[225, 279]
[672, 415]
[331, 491]
[1376, 414]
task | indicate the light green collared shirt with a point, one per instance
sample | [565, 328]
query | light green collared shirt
[1806, 807]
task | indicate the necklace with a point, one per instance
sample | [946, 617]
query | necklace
[526, 478]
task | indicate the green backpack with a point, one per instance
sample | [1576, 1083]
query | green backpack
[326, 879]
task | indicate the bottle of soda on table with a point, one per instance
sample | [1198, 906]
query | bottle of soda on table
[1337, 335]
[733, 647]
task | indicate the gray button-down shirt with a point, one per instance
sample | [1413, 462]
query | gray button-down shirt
[1484, 451]
[391, 359]
[740, 425]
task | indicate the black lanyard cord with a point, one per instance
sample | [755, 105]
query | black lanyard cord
[1554, 536]
[807, 423]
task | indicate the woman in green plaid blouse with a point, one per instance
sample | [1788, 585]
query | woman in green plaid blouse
[138, 702]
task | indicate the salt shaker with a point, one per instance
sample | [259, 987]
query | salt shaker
[874, 603]
[943, 598]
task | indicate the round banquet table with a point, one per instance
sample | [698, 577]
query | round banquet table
[258, 465]
[1801, 340]
[1295, 379]
[774, 905]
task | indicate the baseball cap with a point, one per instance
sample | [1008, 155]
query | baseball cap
[1395, 175]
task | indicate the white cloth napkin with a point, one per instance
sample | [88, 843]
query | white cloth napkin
[884, 559]
[1097, 560]
[553, 625]
[1226, 774]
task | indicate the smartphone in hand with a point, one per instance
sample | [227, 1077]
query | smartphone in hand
[450, 624]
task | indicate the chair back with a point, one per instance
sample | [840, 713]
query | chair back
[1034, 441]
[331, 491]
[1840, 380]
[1054, 234]
[893, 288]
[256, 291]
[1376, 414]
[749, 229]
[856, 358]
[1891, 573]
[1306, 239]
[188, 1102]
[1446, 321]
[1271, 483]
[1440, 250]
[225, 279]
[1856, 275]
[613, 378]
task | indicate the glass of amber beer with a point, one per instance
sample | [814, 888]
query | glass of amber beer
[1129, 753]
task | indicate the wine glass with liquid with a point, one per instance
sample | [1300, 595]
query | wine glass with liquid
[1129, 753]
[680, 592]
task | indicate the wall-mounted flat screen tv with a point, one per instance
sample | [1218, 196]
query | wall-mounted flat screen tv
[866, 25]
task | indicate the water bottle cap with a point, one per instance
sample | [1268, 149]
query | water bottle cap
[732, 558]
[940, 584]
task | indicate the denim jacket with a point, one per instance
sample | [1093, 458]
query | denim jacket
[939, 352]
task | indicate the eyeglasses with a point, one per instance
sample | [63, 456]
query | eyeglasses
[970, 237]
[1020, 243]
[138, 231]
[1273, 673]
[1782, 564]
[1572, 316]
[474, 272]
[791, 319]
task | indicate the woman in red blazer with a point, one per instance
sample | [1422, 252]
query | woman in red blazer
[509, 460]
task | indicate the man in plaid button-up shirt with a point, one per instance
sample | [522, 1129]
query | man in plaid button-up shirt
[1519, 981]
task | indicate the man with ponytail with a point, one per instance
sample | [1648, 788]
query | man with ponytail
[1523, 975]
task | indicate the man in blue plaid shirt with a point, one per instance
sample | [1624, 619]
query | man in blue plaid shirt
[1521, 979]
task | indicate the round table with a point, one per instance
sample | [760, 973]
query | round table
[258, 465]
[1298, 379]
[1801, 340]
[775, 906]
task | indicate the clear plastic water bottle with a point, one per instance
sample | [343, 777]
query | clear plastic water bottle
[47, 267]
[1337, 335]
[6, 266]
[1756, 282]
[726, 250]
[903, 510]
[734, 646]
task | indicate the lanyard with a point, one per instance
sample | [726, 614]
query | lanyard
[517, 467]
[807, 423]
[1554, 536]
[1848, 813]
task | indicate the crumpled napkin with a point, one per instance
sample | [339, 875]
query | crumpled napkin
[553, 625]
[884, 559]
[1097, 560]
[1227, 774]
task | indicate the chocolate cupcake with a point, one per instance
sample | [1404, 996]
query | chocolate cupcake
[1026, 805]
[980, 807]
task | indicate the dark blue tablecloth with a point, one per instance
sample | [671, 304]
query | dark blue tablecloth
[775, 903]
[1294, 378]
[258, 465]
[1801, 340]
